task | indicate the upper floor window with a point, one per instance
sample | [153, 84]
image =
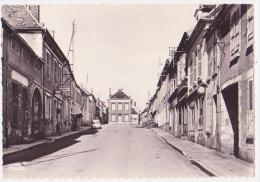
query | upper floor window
[250, 25]
[235, 35]
[15, 45]
[48, 64]
[126, 106]
[251, 94]
[55, 73]
[191, 72]
[212, 60]
[113, 106]
[199, 54]
[120, 106]
[194, 59]
[37, 64]
[60, 74]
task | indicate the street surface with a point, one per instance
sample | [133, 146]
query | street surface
[114, 151]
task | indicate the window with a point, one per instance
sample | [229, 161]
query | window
[126, 117]
[15, 46]
[194, 59]
[56, 71]
[235, 35]
[251, 92]
[47, 107]
[113, 117]
[37, 65]
[60, 74]
[126, 106]
[113, 107]
[120, 106]
[48, 64]
[199, 60]
[250, 25]
[191, 73]
[15, 103]
[212, 60]
[22, 52]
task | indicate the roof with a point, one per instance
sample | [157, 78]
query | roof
[133, 111]
[6, 24]
[120, 95]
[18, 16]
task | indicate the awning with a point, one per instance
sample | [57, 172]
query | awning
[76, 111]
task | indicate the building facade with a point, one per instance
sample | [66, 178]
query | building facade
[40, 94]
[22, 89]
[119, 106]
[210, 82]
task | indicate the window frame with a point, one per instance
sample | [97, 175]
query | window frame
[250, 25]
[235, 34]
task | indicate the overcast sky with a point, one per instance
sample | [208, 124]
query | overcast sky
[119, 46]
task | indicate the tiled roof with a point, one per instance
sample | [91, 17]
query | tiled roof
[120, 95]
[19, 17]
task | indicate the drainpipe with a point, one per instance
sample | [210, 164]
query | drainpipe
[6, 90]
[43, 99]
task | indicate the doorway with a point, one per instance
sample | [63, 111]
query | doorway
[119, 118]
[25, 112]
[36, 115]
[230, 95]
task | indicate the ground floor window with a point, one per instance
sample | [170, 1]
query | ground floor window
[113, 117]
[126, 117]
[15, 103]
[47, 107]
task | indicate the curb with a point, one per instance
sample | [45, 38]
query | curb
[194, 162]
[203, 168]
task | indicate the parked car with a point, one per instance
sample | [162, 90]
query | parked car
[96, 123]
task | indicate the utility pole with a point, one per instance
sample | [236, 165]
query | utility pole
[71, 47]
[86, 82]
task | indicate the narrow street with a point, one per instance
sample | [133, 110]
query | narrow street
[114, 151]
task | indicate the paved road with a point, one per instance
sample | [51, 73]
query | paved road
[114, 151]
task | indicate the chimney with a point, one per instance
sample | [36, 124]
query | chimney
[35, 10]
[110, 93]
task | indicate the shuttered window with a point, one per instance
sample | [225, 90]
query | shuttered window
[235, 35]
[250, 25]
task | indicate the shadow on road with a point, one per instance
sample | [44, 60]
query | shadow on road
[54, 157]
[46, 148]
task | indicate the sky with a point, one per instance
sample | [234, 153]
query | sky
[119, 46]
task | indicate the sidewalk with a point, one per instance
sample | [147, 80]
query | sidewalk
[209, 160]
[13, 149]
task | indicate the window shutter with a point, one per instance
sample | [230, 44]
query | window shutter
[250, 26]
[238, 33]
[194, 66]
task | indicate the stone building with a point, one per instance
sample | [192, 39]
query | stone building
[236, 80]
[38, 79]
[22, 89]
[119, 105]
[213, 68]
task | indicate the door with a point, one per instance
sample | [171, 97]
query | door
[119, 118]
[25, 112]
[231, 100]
[36, 115]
